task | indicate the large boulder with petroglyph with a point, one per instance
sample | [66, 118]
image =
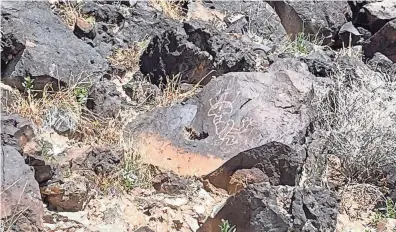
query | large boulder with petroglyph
[36, 43]
[232, 113]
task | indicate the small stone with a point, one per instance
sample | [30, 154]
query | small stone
[191, 222]
[199, 209]
[175, 202]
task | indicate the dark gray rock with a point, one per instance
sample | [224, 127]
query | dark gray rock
[197, 52]
[20, 193]
[320, 63]
[255, 17]
[119, 27]
[378, 13]
[384, 41]
[104, 99]
[101, 160]
[280, 163]
[262, 207]
[142, 92]
[231, 114]
[323, 18]
[62, 120]
[16, 131]
[83, 29]
[381, 63]
[38, 44]
[349, 35]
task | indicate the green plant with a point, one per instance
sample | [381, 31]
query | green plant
[389, 212]
[225, 226]
[28, 85]
[81, 94]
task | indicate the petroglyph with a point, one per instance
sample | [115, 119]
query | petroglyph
[227, 131]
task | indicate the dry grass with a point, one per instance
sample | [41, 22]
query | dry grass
[70, 11]
[357, 123]
[302, 45]
[89, 127]
[128, 58]
[170, 8]
[133, 173]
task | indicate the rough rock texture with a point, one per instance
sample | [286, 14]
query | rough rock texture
[382, 64]
[62, 120]
[104, 99]
[242, 177]
[101, 160]
[20, 193]
[72, 194]
[378, 13]
[16, 131]
[233, 113]
[142, 92]
[261, 207]
[253, 17]
[38, 44]
[197, 52]
[170, 183]
[349, 34]
[324, 18]
[384, 41]
[280, 164]
[118, 26]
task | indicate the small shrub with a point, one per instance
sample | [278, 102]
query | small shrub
[357, 123]
[128, 58]
[301, 45]
[225, 226]
[388, 212]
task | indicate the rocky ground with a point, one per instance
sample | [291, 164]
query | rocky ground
[209, 116]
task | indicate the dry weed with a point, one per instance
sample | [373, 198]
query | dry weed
[171, 8]
[70, 11]
[90, 128]
[128, 58]
[357, 123]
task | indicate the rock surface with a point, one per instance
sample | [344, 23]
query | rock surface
[320, 18]
[384, 41]
[378, 13]
[197, 52]
[261, 207]
[21, 205]
[104, 99]
[38, 44]
[233, 113]
[280, 164]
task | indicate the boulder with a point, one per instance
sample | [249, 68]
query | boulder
[196, 52]
[16, 131]
[262, 207]
[381, 63]
[249, 17]
[231, 114]
[62, 120]
[280, 165]
[142, 92]
[378, 13]
[38, 44]
[104, 99]
[21, 205]
[117, 27]
[70, 195]
[349, 34]
[323, 18]
[384, 41]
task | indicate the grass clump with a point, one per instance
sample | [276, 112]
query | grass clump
[225, 226]
[128, 58]
[301, 45]
[388, 212]
[89, 127]
[70, 11]
[357, 123]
